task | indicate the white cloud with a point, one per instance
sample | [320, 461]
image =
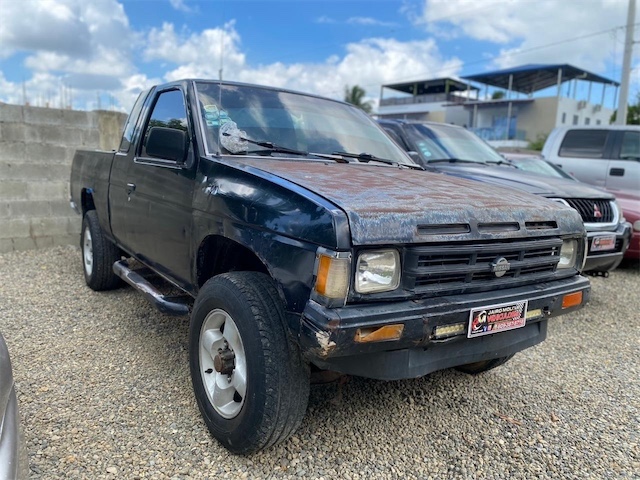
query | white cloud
[73, 48]
[543, 31]
[368, 63]
[196, 54]
[180, 5]
[368, 21]
[326, 19]
[105, 65]
[63, 29]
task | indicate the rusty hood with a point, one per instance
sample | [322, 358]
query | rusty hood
[388, 205]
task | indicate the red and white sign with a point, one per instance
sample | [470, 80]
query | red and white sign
[497, 318]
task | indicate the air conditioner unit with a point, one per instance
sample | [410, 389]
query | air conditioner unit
[597, 108]
[582, 104]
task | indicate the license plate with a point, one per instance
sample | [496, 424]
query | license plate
[497, 318]
[603, 242]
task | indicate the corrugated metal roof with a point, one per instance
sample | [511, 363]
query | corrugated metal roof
[435, 85]
[534, 77]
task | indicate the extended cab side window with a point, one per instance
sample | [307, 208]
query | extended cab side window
[584, 144]
[630, 148]
[130, 126]
[169, 111]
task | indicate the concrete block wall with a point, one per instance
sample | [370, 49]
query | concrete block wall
[36, 149]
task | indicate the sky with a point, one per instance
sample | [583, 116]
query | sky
[92, 54]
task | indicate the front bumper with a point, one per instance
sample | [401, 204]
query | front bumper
[328, 336]
[607, 260]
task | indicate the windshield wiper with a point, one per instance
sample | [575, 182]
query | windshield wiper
[455, 160]
[501, 162]
[367, 157]
[272, 147]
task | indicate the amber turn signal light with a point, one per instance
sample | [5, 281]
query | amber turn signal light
[571, 300]
[379, 334]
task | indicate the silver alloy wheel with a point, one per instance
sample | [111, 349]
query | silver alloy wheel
[223, 363]
[87, 252]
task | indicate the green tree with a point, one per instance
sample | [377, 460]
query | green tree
[633, 113]
[497, 95]
[355, 96]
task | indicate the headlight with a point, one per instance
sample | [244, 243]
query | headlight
[378, 271]
[568, 254]
[636, 225]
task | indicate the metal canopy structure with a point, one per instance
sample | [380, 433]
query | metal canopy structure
[427, 87]
[534, 77]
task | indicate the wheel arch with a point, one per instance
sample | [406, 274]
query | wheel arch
[219, 254]
[86, 200]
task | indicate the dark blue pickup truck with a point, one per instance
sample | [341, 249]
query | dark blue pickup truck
[301, 239]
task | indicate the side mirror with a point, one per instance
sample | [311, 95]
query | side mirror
[167, 143]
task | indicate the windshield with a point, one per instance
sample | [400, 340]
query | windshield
[441, 142]
[540, 167]
[252, 120]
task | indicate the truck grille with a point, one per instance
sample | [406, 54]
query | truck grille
[593, 211]
[453, 268]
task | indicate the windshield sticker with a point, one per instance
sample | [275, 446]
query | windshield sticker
[215, 117]
[424, 149]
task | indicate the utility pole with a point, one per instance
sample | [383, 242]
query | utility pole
[621, 116]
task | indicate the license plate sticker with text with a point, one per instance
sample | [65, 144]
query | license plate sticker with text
[603, 242]
[497, 318]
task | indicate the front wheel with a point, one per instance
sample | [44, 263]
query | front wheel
[483, 366]
[249, 379]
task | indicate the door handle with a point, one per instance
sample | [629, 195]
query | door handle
[616, 172]
[130, 188]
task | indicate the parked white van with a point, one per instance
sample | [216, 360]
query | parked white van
[604, 156]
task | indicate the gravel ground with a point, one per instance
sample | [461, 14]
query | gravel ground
[104, 389]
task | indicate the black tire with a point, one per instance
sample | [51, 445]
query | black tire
[483, 366]
[276, 390]
[98, 255]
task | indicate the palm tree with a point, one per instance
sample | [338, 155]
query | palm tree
[355, 96]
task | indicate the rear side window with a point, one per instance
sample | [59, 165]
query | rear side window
[130, 126]
[630, 148]
[584, 144]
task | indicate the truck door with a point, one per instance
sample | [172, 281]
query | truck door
[585, 154]
[159, 192]
[624, 168]
[118, 190]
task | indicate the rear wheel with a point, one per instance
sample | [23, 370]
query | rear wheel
[249, 379]
[483, 366]
[98, 255]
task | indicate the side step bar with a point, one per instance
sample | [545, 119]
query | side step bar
[167, 305]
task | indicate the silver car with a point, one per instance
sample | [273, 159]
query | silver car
[13, 453]
[607, 156]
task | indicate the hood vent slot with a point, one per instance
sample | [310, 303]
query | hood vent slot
[541, 225]
[498, 227]
[444, 229]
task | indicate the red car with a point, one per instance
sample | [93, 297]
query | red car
[630, 203]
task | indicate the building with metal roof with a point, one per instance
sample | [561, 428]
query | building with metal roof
[424, 99]
[532, 100]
